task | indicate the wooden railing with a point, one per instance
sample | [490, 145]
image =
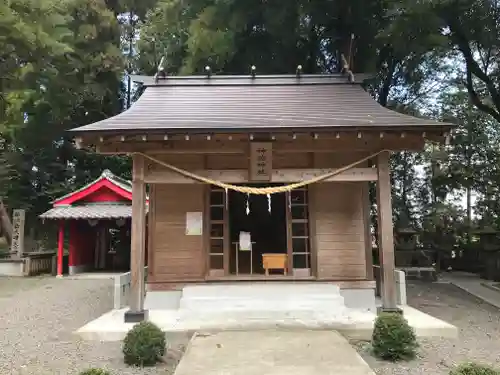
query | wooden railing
[7, 254]
[38, 263]
[121, 296]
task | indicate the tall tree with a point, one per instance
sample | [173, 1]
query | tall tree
[61, 66]
[473, 148]
[231, 35]
[470, 29]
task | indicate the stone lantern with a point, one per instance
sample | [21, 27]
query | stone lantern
[443, 244]
[405, 242]
[406, 246]
[489, 245]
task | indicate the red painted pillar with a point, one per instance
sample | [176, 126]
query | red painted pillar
[60, 249]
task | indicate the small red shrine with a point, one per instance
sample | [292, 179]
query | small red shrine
[97, 218]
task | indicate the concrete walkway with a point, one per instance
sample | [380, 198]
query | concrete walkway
[272, 352]
[474, 285]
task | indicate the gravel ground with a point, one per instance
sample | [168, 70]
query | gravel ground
[37, 324]
[9, 286]
[38, 316]
[479, 332]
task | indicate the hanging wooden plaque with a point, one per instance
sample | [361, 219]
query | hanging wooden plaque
[261, 161]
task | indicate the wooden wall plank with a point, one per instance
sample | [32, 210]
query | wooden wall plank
[178, 256]
[368, 231]
[278, 175]
[339, 227]
[291, 160]
[232, 161]
[151, 232]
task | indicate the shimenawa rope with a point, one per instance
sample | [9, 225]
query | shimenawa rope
[265, 190]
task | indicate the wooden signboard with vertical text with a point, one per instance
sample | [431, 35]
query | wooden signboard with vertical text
[17, 244]
[261, 161]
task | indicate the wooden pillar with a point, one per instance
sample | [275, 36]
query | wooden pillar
[288, 223]
[138, 243]
[77, 261]
[386, 235]
[103, 248]
[150, 225]
[60, 249]
[97, 244]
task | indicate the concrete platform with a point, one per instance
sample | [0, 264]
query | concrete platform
[356, 325]
[260, 306]
[272, 352]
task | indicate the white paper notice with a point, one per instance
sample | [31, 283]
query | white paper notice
[194, 223]
[245, 241]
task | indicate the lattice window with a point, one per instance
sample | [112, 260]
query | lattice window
[218, 217]
[299, 217]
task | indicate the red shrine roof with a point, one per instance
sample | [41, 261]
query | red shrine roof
[107, 197]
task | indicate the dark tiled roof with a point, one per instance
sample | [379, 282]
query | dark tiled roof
[101, 211]
[263, 103]
[90, 211]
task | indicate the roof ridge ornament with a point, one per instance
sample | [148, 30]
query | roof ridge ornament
[298, 72]
[345, 64]
[346, 70]
[106, 173]
[160, 72]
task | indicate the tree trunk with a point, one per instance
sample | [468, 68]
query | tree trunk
[385, 88]
[469, 213]
[130, 54]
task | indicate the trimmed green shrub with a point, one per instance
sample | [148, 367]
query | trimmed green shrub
[393, 339]
[144, 345]
[95, 371]
[474, 369]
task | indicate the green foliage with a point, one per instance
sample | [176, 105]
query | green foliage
[474, 369]
[144, 345]
[95, 371]
[230, 36]
[393, 339]
[62, 64]
[467, 29]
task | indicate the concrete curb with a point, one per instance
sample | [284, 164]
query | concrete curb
[475, 295]
[492, 287]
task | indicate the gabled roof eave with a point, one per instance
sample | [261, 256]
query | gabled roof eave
[233, 104]
[105, 175]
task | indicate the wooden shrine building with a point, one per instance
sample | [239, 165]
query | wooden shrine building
[96, 220]
[189, 136]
